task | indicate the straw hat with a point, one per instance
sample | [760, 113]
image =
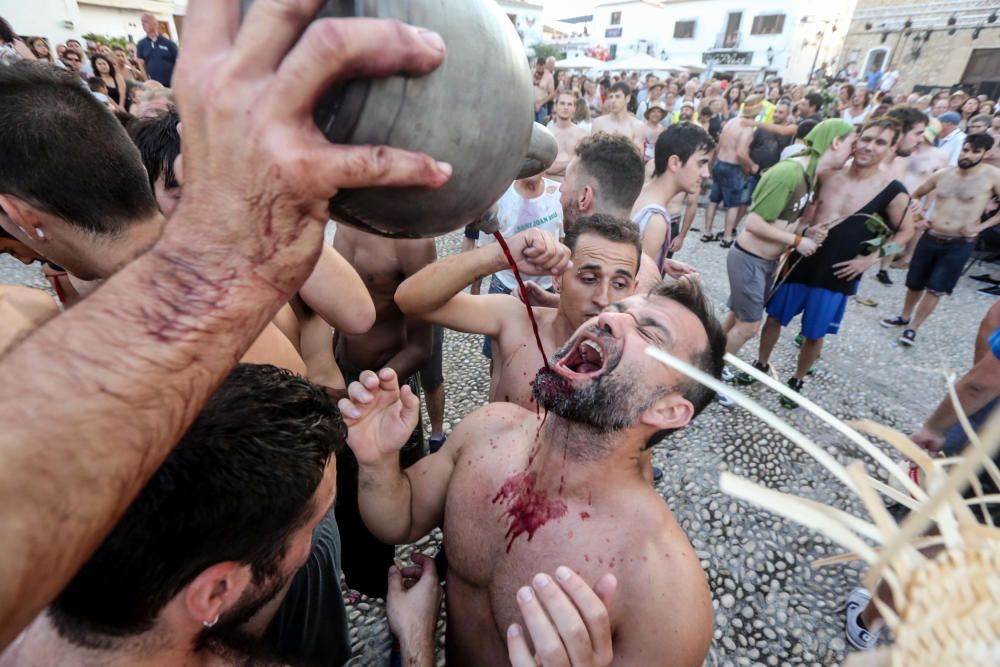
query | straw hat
[656, 105]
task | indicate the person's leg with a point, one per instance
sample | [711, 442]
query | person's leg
[706, 232]
[924, 310]
[769, 336]
[740, 334]
[432, 382]
[732, 217]
[808, 355]
[728, 322]
[910, 302]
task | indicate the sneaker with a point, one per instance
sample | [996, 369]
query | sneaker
[727, 374]
[747, 379]
[883, 277]
[436, 442]
[725, 401]
[895, 322]
[908, 338]
[657, 474]
[799, 340]
[794, 385]
[860, 637]
[989, 291]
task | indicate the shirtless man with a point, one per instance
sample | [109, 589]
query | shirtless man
[732, 166]
[962, 193]
[913, 170]
[818, 286]
[567, 135]
[395, 341]
[780, 200]
[654, 113]
[545, 89]
[515, 492]
[618, 120]
[605, 260]
[22, 310]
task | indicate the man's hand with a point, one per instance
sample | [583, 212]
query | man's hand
[412, 606]
[568, 622]
[806, 246]
[928, 439]
[916, 209]
[971, 231]
[817, 233]
[678, 270]
[853, 268]
[538, 253]
[540, 297]
[379, 416]
[265, 177]
[677, 243]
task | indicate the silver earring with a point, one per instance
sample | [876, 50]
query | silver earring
[39, 232]
[209, 624]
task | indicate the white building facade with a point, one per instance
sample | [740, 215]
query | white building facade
[59, 20]
[738, 36]
[527, 20]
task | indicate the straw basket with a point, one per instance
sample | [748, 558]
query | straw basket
[941, 566]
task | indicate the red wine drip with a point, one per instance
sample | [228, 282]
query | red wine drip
[524, 295]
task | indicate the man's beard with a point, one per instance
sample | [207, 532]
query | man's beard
[904, 152]
[965, 163]
[611, 402]
[229, 638]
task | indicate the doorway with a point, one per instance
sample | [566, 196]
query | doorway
[733, 29]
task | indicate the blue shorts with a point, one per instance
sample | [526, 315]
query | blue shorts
[727, 184]
[937, 264]
[749, 185]
[822, 309]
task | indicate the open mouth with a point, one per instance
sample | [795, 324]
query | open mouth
[585, 360]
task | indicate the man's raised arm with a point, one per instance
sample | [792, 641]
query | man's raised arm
[435, 292]
[96, 398]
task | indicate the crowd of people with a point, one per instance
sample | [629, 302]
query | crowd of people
[206, 512]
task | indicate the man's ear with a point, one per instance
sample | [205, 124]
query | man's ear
[670, 412]
[216, 590]
[27, 218]
[586, 199]
[674, 164]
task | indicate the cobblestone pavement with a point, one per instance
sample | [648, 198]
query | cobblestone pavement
[772, 608]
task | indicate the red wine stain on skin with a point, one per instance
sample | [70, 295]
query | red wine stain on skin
[524, 294]
[527, 509]
[584, 515]
[600, 561]
[586, 558]
[612, 563]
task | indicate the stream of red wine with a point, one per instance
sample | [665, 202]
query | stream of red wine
[524, 295]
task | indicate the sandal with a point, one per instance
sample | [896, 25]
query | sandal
[725, 244]
[719, 235]
[707, 238]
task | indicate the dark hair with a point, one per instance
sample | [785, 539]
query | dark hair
[65, 153]
[609, 227]
[682, 140]
[849, 88]
[111, 66]
[239, 483]
[159, 144]
[815, 100]
[908, 116]
[6, 32]
[805, 127]
[96, 84]
[622, 88]
[884, 123]
[540, 61]
[979, 142]
[709, 359]
[615, 164]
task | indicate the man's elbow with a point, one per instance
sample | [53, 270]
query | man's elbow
[360, 321]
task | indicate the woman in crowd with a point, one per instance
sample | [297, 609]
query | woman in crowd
[40, 48]
[859, 108]
[104, 69]
[581, 114]
[592, 97]
[844, 96]
[732, 99]
[12, 48]
[969, 109]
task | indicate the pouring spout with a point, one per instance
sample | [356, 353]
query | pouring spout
[542, 152]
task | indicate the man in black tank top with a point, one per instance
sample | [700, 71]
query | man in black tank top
[818, 286]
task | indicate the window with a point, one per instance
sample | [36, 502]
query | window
[684, 30]
[768, 24]
[616, 18]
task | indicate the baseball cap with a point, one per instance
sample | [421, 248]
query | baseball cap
[950, 117]
[687, 104]
[933, 131]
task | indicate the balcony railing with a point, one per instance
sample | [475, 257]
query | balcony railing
[727, 40]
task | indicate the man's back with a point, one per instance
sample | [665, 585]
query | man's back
[734, 131]
[501, 528]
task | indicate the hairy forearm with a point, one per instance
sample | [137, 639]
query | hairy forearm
[418, 652]
[127, 370]
[384, 500]
[435, 284]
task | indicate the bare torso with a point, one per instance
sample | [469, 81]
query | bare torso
[919, 165]
[494, 545]
[652, 133]
[734, 132]
[567, 138]
[379, 262]
[962, 198]
[518, 358]
[624, 124]
[843, 193]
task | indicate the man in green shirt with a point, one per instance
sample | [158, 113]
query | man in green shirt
[780, 200]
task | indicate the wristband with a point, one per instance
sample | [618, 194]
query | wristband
[797, 240]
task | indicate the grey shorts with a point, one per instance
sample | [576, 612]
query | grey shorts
[750, 280]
